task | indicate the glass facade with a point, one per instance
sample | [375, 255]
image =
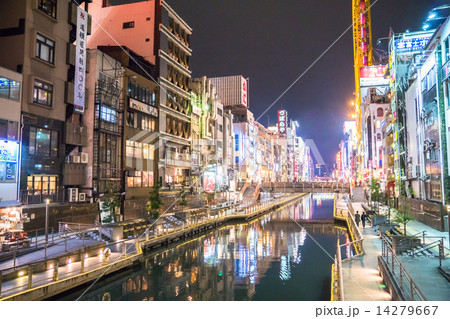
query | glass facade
[43, 142]
[137, 179]
[42, 184]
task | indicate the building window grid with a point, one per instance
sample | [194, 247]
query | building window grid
[42, 184]
[45, 49]
[43, 142]
[139, 150]
[48, 7]
[9, 89]
[43, 93]
[140, 179]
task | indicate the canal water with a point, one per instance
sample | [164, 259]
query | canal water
[271, 258]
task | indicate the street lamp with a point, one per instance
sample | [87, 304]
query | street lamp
[47, 202]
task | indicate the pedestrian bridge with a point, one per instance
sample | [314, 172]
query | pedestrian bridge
[305, 187]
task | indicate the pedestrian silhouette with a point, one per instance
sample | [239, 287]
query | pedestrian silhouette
[357, 219]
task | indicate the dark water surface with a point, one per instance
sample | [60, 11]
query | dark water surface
[271, 258]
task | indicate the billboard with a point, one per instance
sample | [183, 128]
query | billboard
[209, 182]
[232, 90]
[412, 44]
[9, 151]
[282, 122]
[373, 76]
[80, 61]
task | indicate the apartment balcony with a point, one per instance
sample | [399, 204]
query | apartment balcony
[76, 134]
[178, 159]
[74, 174]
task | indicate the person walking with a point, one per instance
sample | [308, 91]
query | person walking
[363, 219]
[357, 219]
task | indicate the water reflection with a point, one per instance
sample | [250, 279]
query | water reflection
[271, 258]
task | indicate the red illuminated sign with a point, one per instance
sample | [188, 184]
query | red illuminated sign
[282, 122]
[373, 75]
[244, 91]
[209, 182]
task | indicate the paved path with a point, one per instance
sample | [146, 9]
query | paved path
[52, 251]
[361, 278]
[19, 284]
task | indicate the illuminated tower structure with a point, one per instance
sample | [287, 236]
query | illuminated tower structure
[362, 51]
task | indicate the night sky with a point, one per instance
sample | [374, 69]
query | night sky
[272, 42]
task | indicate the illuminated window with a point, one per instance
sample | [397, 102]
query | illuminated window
[48, 7]
[139, 179]
[43, 93]
[9, 89]
[108, 114]
[45, 49]
[42, 184]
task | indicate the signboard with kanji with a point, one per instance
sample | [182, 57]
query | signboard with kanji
[282, 122]
[80, 61]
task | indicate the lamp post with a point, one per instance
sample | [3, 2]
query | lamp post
[47, 202]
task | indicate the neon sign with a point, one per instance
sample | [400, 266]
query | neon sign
[411, 44]
[244, 91]
[282, 122]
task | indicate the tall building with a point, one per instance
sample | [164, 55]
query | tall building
[47, 45]
[162, 38]
[10, 139]
[210, 137]
[233, 93]
[403, 49]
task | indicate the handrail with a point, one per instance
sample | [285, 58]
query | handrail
[54, 275]
[355, 233]
[395, 266]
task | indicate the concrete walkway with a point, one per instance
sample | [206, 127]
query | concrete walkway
[20, 284]
[360, 275]
[52, 252]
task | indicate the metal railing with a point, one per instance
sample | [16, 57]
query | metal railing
[337, 280]
[407, 286]
[76, 263]
[355, 233]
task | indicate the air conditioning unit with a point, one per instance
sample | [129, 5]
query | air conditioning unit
[84, 157]
[82, 197]
[73, 195]
[76, 159]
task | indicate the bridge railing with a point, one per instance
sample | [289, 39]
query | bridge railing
[305, 185]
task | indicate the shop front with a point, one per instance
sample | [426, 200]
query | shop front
[11, 226]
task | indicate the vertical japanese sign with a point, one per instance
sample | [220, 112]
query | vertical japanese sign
[282, 122]
[244, 91]
[80, 61]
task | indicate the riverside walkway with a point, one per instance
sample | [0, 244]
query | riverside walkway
[361, 279]
[60, 274]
